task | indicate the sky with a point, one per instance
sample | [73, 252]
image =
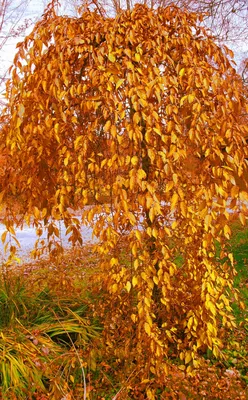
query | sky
[32, 12]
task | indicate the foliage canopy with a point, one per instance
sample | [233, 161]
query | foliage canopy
[142, 110]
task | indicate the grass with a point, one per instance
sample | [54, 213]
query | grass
[52, 347]
[237, 346]
[239, 248]
[45, 333]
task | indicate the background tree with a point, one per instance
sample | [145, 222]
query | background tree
[226, 19]
[12, 25]
[118, 106]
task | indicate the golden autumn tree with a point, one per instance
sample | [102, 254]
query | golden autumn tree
[119, 109]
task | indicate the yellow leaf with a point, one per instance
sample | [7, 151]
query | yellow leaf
[113, 261]
[191, 98]
[242, 218]
[143, 102]
[183, 209]
[21, 110]
[157, 130]
[221, 191]
[243, 196]
[113, 131]
[150, 394]
[182, 72]
[134, 160]
[3, 236]
[155, 232]
[56, 128]
[151, 154]
[136, 118]
[230, 256]
[174, 224]
[36, 212]
[171, 270]
[148, 303]
[188, 357]
[141, 174]
[133, 317]
[211, 307]
[134, 281]
[211, 329]
[195, 324]
[114, 288]
[242, 305]
[136, 264]
[131, 218]
[107, 126]
[111, 57]
[147, 328]
[175, 178]
[151, 214]
[137, 57]
[183, 100]
[66, 160]
[61, 208]
[44, 213]
[128, 286]
[189, 369]
[207, 221]
[227, 231]
[174, 137]
[170, 126]
[11, 230]
[169, 186]
[76, 142]
[149, 231]
[174, 200]
[190, 322]
[138, 235]
[119, 83]
[104, 162]
[155, 280]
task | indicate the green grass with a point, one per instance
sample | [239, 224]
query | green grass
[239, 247]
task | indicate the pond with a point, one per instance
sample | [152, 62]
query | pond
[27, 238]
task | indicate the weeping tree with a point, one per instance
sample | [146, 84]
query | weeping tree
[138, 116]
